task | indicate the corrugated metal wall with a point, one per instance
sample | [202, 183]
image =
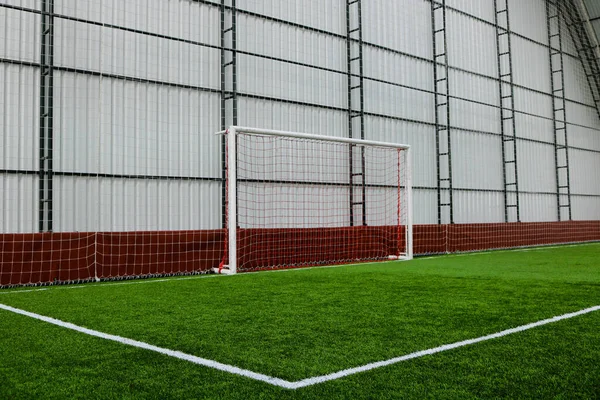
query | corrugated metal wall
[137, 95]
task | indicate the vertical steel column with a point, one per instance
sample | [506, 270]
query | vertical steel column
[585, 50]
[507, 113]
[354, 43]
[46, 116]
[228, 84]
[559, 114]
[443, 139]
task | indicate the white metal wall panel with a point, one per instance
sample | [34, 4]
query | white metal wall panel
[184, 19]
[389, 100]
[534, 127]
[536, 207]
[269, 114]
[531, 64]
[585, 172]
[278, 40]
[327, 15]
[466, 53]
[103, 125]
[585, 208]
[576, 84]
[19, 35]
[531, 102]
[104, 204]
[18, 203]
[19, 122]
[534, 121]
[425, 210]
[474, 87]
[392, 67]
[585, 128]
[528, 18]
[33, 4]
[476, 161]
[113, 51]
[582, 137]
[478, 207]
[265, 77]
[483, 9]
[401, 25]
[420, 137]
[536, 167]
[474, 116]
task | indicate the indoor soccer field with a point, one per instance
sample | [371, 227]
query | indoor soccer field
[515, 324]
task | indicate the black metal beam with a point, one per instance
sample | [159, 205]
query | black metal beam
[74, 174]
[441, 99]
[46, 114]
[555, 19]
[229, 95]
[508, 129]
[355, 80]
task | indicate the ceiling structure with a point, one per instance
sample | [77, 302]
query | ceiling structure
[590, 10]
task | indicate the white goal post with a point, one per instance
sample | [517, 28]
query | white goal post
[298, 199]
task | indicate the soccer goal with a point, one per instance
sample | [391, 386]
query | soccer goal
[296, 199]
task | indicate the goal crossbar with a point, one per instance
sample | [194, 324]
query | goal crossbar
[270, 132]
[232, 198]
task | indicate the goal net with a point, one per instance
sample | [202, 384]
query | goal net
[304, 200]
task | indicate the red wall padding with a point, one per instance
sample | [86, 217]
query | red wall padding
[318, 246]
[167, 252]
[49, 257]
[46, 257]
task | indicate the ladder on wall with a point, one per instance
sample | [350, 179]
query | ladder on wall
[46, 117]
[559, 114]
[228, 83]
[508, 130]
[443, 140]
[356, 112]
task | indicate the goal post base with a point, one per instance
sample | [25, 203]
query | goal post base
[399, 258]
[223, 271]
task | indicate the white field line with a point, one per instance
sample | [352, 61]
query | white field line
[186, 278]
[304, 382]
[379, 364]
[172, 353]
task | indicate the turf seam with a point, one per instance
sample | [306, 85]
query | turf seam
[304, 382]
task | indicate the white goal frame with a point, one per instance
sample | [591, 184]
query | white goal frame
[231, 180]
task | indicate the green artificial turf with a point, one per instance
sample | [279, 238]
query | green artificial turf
[304, 323]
